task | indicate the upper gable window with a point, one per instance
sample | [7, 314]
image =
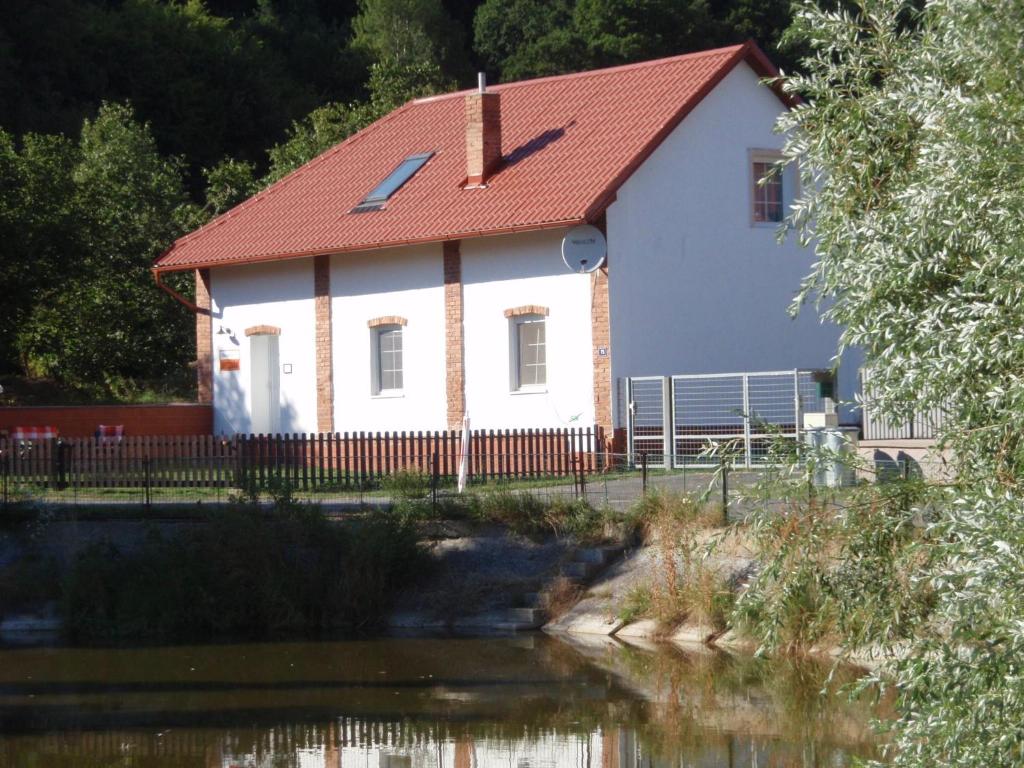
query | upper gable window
[766, 180]
[393, 182]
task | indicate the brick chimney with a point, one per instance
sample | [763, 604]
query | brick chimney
[483, 134]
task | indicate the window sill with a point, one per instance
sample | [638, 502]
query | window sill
[529, 391]
[766, 224]
[397, 393]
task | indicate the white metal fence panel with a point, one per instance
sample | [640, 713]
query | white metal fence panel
[775, 408]
[706, 408]
[674, 419]
[647, 398]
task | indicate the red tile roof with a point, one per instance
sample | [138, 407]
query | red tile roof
[568, 143]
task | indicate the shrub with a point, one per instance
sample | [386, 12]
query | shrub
[530, 515]
[840, 570]
[27, 582]
[243, 573]
[444, 508]
[637, 605]
[577, 518]
[521, 511]
[407, 484]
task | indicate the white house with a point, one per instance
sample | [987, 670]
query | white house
[413, 273]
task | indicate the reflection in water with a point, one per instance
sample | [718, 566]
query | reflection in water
[418, 703]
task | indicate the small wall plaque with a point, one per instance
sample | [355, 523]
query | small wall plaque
[229, 360]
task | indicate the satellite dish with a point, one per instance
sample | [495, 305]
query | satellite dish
[583, 248]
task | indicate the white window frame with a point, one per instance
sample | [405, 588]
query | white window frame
[772, 157]
[376, 388]
[516, 386]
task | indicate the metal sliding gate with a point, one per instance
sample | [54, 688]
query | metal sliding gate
[673, 419]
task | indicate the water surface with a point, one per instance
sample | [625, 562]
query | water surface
[530, 702]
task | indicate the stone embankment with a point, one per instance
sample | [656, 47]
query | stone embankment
[485, 579]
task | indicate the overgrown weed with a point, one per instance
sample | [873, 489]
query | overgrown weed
[687, 586]
[562, 594]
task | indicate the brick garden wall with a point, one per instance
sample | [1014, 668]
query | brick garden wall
[82, 420]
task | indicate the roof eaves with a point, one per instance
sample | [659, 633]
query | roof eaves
[460, 235]
[766, 69]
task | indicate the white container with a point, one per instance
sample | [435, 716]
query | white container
[841, 444]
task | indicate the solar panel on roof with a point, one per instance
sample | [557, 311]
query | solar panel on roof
[393, 182]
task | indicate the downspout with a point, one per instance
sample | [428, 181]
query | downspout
[194, 308]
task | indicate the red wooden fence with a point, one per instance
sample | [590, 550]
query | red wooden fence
[307, 461]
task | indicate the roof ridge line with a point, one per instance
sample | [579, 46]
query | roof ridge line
[730, 49]
[737, 54]
[287, 178]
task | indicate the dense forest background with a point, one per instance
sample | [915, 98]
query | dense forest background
[125, 123]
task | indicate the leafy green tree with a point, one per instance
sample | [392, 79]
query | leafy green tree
[38, 225]
[211, 85]
[528, 38]
[911, 145]
[765, 21]
[220, 88]
[320, 130]
[104, 323]
[228, 183]
[410, 33]
[621, 31]
[514, 38]
[391, 85]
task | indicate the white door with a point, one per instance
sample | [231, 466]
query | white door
[265, 384]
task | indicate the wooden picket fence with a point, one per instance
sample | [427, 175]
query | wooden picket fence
[306, 461]
[177, 461]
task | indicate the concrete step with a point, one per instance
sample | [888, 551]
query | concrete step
[534, 600]
[531, 616]
[516, 626]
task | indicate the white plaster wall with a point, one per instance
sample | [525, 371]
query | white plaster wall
[695, 286]
[279, 294]
[510, 271]
[408, 282]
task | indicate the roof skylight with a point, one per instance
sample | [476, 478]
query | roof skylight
[392, 182]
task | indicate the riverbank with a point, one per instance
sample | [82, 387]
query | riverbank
[800, 581]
